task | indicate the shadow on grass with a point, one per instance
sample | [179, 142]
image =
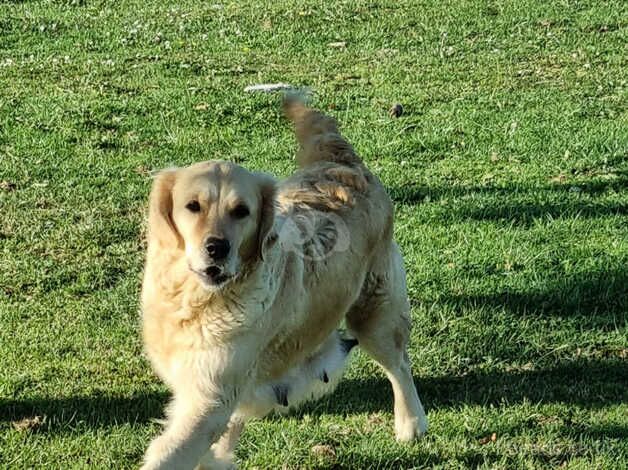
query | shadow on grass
[426, 459]
[519, 205]
[526, 212]
[95, 411]
[590, 384]
[482, 456]
[598, 297]
[418, 193]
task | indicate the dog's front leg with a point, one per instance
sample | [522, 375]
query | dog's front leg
[207, 387]
[220, 456]
[194, 420]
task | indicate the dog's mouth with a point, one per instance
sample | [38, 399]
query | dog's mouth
[213, 276]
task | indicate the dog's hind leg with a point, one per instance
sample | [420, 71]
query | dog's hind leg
[380, 321]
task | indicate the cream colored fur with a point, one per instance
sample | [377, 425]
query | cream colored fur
[230, 338]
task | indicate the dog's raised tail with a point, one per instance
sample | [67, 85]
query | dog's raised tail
[318, 135]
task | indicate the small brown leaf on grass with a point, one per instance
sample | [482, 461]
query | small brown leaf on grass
[201, 107]
[28, 424]
[7, 186]
[324, 451]
[485, 440]
[338, 45]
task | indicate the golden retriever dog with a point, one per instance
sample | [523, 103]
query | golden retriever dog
[247, 280]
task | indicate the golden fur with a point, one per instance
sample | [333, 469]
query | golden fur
[257, 330]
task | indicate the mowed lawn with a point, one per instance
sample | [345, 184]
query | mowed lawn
[509, 172]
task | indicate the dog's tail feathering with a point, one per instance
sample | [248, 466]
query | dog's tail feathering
[318, 135]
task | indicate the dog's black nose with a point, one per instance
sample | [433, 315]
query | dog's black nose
[217, 248]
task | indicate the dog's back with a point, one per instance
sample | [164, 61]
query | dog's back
[336, 229]
[333, 178]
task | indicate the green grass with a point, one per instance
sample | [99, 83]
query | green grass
[509, 171]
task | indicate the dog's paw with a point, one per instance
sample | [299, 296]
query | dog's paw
[410, 429]
[216, 463]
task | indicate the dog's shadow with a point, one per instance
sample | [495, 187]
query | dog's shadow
[589, 384]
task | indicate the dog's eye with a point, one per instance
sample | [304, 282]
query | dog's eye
[240, 211]
[193, 206]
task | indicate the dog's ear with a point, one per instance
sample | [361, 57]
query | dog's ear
[265, 234]
[161, 227]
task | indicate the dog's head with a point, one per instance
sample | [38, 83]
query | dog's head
[218, 215]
